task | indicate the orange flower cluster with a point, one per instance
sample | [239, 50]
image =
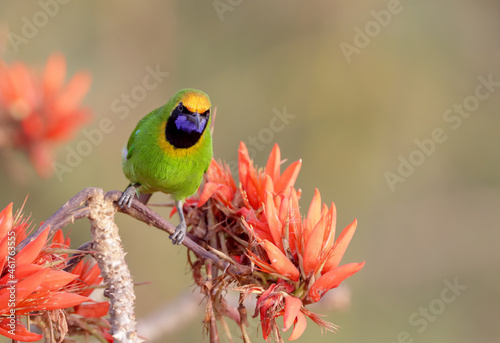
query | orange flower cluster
[297, 260]
[34, 283]
[37, 113]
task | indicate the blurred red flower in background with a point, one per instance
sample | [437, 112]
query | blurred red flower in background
[38, 112]
[35, 284]
[297, 259]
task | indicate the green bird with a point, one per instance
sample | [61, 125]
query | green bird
[169, 151]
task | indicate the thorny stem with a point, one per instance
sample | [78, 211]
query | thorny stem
[110, 257]
[100, 208]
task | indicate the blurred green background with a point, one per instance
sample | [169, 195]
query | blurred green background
[352, 116]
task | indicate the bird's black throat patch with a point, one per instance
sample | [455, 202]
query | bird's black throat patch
[177, 137]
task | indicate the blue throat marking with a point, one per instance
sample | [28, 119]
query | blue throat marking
[182, 123]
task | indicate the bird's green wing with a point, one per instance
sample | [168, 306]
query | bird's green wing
[130, 144]
[144, 125]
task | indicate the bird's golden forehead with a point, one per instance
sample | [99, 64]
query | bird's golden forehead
[196, 102]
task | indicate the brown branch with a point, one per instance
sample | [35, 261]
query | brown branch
[101, 208]
[143, 213]
[68, 213]
[110, 257]
[75, 208]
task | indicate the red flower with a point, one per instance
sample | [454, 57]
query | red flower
[301, 248]
[299, 256]
[88, 275]
[275, 302]
[221, 185]
[255, 184]
[33, 281]
[36, 113]
[313, 263]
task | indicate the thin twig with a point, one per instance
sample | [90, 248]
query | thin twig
[213, 332]
[85, 248]
[141, 212]
[68, 213]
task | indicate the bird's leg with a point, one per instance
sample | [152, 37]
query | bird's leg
[128, 195]
[180, 231]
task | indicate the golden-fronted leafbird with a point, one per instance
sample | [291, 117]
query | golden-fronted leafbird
[169, 151]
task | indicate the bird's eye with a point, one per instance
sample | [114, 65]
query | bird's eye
[183, 109]
[206, 113]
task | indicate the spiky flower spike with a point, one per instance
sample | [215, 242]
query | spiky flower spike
[295, 260]
[35, 284]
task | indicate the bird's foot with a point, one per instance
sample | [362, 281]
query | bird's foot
[127, 197]
[180, 233]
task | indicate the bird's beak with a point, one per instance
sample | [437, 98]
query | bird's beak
[195, 118]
